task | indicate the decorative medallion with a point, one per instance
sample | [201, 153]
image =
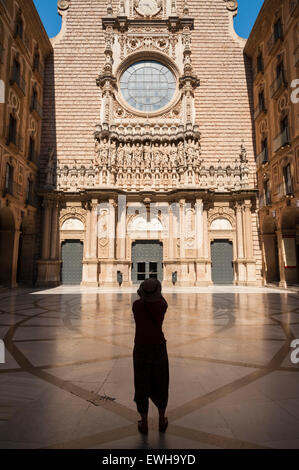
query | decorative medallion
[63, 4]
[147, 8]
[231, 5]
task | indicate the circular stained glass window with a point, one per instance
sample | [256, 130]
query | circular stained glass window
[148, 85]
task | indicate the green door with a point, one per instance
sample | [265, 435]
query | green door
[72, 256]
[222, 262]
[147, 260]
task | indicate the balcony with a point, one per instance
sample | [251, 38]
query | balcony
[259, 110]
[10, 187]
[18, 83]
[36, 109]
[262, 158]
[282, 140]
[296, 56]
[273, 42]
[293, 8]
[278, 85]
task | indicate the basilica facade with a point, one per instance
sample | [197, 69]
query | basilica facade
[147, 164]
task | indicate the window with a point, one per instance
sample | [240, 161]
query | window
[260, 63]
[262, 101]
[29, 191]
[31, 149]
[280, 72]
[34, 99]
[265, 149]
[36, 61]
[284, 124]
[267, 193]
[287, 179]
[148, 85]
[19, 27]
[9, 178]
[278, 30]
[16, 71]
[12, 130]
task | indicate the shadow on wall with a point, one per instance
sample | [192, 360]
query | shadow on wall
[48, 155]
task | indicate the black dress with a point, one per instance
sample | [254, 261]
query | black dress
[150, 358]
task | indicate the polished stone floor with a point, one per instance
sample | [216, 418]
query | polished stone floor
[68, 380]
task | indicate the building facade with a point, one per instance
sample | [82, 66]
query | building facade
[24, 45]
[148, 165]
[274, 48]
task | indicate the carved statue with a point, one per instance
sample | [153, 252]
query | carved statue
[50, 170]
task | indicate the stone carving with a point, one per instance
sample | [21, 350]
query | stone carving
[152, 161]
[63, 5]
[50, 170]
[231, 5]
[72, 224]
[221, 224]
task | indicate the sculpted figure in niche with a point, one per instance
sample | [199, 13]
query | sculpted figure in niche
[137, 155]
[128, 157]
[50, 168]
[157, 156]
[181, 154]
[112, 153]
[173, 155]
[165, 151]
[120, 155]
[147, 155]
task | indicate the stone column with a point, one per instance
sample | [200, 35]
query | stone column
[248, 241]
[247, 219]
[170, 234]
[49, 266]
[121, 228]
[282, 273]
[90, 263]
[54, 232]
[111, 225]
[240, 265]
[94, 230]
[15, 255]
[239, 230]
[199, 228]
[182, 228]
[87, 233]
[47, 205]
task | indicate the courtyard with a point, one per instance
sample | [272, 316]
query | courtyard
[68, 379]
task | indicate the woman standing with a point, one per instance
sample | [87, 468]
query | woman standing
[151, 369]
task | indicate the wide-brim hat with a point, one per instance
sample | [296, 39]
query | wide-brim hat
[150, 290]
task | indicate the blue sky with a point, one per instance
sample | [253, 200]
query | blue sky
[248, 11]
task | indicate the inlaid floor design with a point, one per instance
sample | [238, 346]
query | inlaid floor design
[68, 377]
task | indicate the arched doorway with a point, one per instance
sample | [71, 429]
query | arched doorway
[26, 251]
[7, 232]
[270, 248]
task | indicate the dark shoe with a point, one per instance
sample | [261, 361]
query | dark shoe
[142, 428]
[164, 426]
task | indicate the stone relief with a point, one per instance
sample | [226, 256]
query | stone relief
[72, 224]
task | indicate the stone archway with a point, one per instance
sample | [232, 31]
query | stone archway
[7, 237]
[26, 251]
[270, 248]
